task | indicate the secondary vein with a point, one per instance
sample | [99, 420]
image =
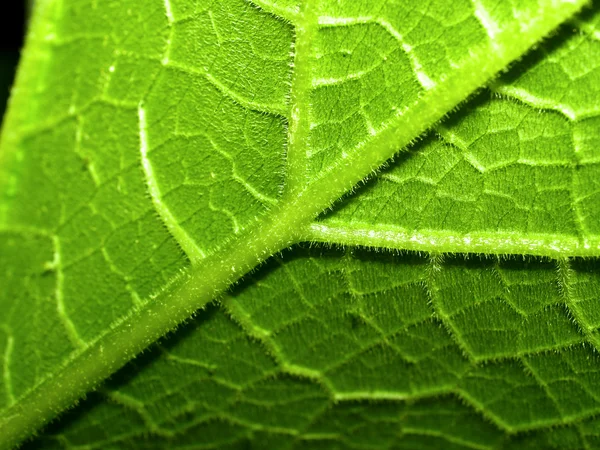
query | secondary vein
[187, 244]
[447, 241]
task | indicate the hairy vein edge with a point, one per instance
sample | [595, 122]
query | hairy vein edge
[282, 228]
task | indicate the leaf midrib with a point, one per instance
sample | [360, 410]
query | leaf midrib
[283, 227]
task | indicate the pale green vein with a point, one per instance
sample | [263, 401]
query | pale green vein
[485, 19]
[135, 298]
[269, 108]
[580, 432]
[497, 242]
[215, 27]
[6, 376]
[523, 95]
[262, 198]
[447, 437]
[452, 138]
[168, 11]
[187, 361]
[319, 82]
[564, 280]
[229, 214]
[25, 231]
[393, 396]
[59, 296]
[295, 283]
[485, 412]
[531, 372]
[251, 189]
[188, 245]
[139, 408]
[170, 22]
[237, 312]
[430, 284]
[417, 67]
[482, 409]
[89, 165]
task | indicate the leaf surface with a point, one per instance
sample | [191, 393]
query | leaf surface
[344, 349]
[156, 152]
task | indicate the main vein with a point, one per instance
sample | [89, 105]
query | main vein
[283, 227]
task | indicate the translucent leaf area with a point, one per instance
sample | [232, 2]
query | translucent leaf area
[418, 237]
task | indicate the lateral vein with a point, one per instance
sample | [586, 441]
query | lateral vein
[188, 245]
[497, 242]
[6, 367]
[66, 321]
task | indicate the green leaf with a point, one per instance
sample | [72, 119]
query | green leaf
[156, 152]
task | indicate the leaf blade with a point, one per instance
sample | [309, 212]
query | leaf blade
[215, 273]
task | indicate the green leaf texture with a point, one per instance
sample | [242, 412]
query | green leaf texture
[350, 349]
[156, 151]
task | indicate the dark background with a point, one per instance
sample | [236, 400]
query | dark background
[12, 30]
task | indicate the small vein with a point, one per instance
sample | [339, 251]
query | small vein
[134, 404]
[170, 22]
[240, 316]
[6, 368]
[453, 139]
[582, 436]
[462, 442]
[417, 67]
[529, 369]
[182, 360]
[188, 245]
[135, 298]
[89, 165]
[537, 102]
[295, 283]
[332, 81]
[485, 19]
[262, 198]
[68, 324]
[434, 268]
[564, 274]
[247, 103]
[169, 11]
[214, 27]
[229, 214]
